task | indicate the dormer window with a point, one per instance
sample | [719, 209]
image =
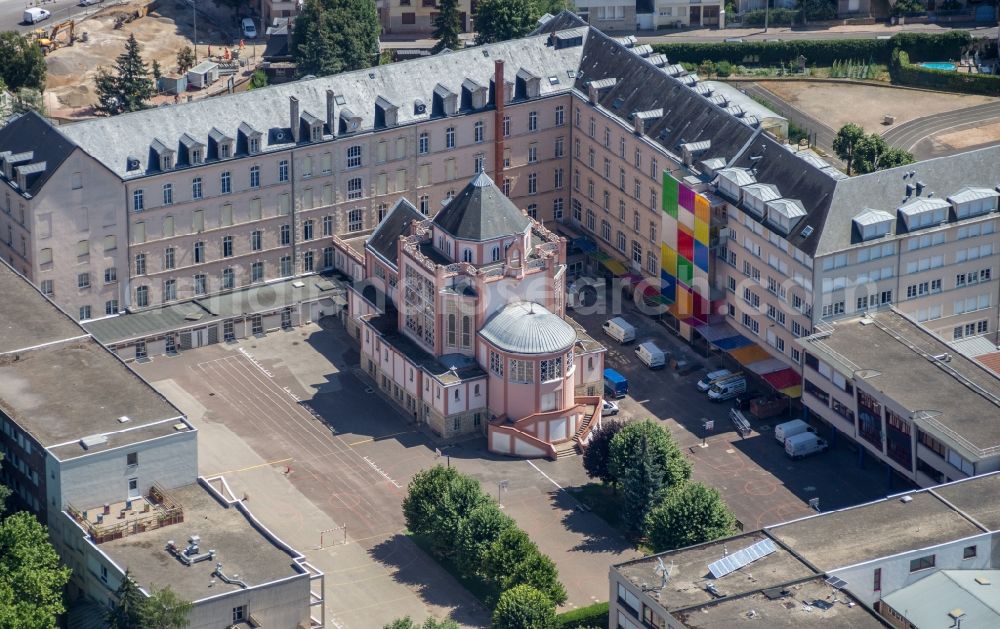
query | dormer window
[254, 145]
[732, 179]
[196, 156]
[166, 162]
[756, 195]
[969, 202]
[872, 224]
[316, 132]
[225, 151]
[924, 212]
[784, 214]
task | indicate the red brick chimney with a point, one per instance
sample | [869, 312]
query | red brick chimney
[498, 102]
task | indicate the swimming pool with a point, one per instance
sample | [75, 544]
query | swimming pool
[939, 65]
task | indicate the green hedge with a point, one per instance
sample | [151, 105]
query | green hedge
[821, 52]
[595, 615]
[777, 17]
[905, 73]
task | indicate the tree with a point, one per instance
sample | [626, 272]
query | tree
[31, 579]
[500, 20]
[23, 63]
[332, 36]
[476, 534]
[846, 142]
[447, 26]
[4, 490]
[165, 610]
[691, 514]
[431, 623]
[129, 87]
[436, 503]
[258, 79]
[873, 153]
[647, 462]
[524, 607]
[513, 559]
[129, 607]
[185, 59]
[596, 456]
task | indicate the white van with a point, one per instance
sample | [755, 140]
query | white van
[804, 444]
[620, 330]
[789, 429]
[249, 29]
[727, 388]
[706, 383]
[35, 15]
[651, 355]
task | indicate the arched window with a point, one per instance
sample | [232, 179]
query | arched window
[496, 253]
[451, 329]
[467, 255]
[466, 331]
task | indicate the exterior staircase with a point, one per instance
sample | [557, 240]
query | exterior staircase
[575, 445]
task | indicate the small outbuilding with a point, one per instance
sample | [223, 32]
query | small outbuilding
[203, 74]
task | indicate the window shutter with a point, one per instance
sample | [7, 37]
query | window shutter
[45, 256]
[381, 184]
[328, 194]
[139, 232]
[110, 243]
[255, 213]
[307, 199]
[425, 175]
[400, 148]
[227, 215]
[168, 226]
[283, 204]
[401, 180]
[380, 152]
[199, 221]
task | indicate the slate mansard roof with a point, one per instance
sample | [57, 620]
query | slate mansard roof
[481, 212]
[397, 223]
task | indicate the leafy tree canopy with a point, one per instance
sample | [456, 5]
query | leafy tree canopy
[23, 64]
[524, 607]
[31, 579]
[332, 36]
[437, 502]
[447, 26]
[477, 533]
[431, 623]
[597, 456]
[689, 515]
[500, 20]
[165, 610]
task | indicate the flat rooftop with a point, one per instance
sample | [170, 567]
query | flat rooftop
[811, 603]
[897, 355]
[689, 572]
[836, 539]
[240, 547]
[27, 318]
[976, 497]
[41, 392]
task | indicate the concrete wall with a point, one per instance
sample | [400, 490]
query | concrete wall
[92, 480]
[896, 569]
[283, 604]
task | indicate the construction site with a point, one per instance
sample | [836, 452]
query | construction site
[75, 49]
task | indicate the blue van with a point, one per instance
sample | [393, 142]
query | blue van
[615, 384]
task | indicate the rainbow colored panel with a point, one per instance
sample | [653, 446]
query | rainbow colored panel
[685, 242]
[701, 231]
[685, 198]
[701, 256]
[670, 195]
[668, 260]
[668, 286]
[682, 308]
[701, 209]
[702, 308]
[685, 270]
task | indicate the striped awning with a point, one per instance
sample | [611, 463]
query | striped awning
[749, 354]
[614, 266]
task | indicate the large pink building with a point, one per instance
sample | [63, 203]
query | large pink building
[461, 320]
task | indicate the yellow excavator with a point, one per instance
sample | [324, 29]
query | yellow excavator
[49, 42]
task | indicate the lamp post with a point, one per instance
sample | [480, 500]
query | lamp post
[501, 487]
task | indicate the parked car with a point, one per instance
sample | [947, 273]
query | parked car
[34, 15]
[804, 444]
[706, 383]
[249, 28]
[609, 407]
[87, 3]
[620, 330]
[651, 355]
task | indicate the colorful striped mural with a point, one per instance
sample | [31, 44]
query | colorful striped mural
[684, 252]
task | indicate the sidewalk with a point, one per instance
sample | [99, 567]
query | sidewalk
[841, 31]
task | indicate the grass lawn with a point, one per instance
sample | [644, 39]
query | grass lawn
[595, 615]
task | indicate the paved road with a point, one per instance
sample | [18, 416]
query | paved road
[914, 136]
[823, 134]
[11, 12]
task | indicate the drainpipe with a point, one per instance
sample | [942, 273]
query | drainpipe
[499, 90]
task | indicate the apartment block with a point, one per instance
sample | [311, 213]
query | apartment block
[848, 568]
[680, 188]
[903, 394]
[111, 468]
[418, 16]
